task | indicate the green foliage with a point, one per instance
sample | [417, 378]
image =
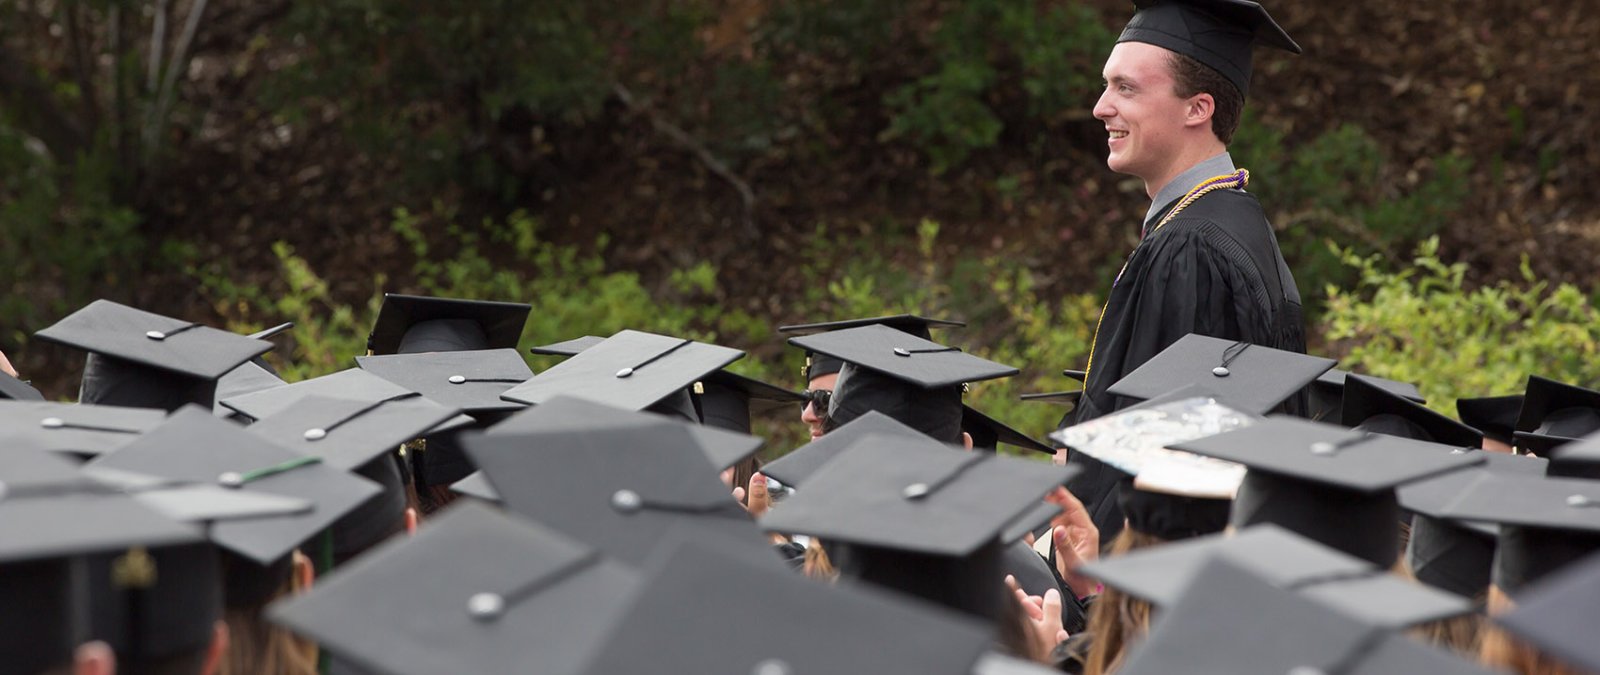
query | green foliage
[1051, 52]
[1424, 325]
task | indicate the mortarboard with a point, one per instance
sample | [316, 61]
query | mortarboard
[820, 628]
[987, 433]
[470, 380]
[680, 405]
[1217, 33]
[1230, 620]
[1558, 615]
[1327, 393]
[918, 516]
[567, 347]
[801, 463]
[248, 378]
[17, 390]
[154, 605]
[726, 400]
[410, 324]
[1369, 405]
[195, 447]
[501, 595]
[818, 365]
[722, 448]
[1578, 459]
[78, 429]
[1342, 582]
[1554, 412]
[1545, 523]
[1448, 554]
[1251, 378]
[145, 360]
[348, 433]
[1327, 483]
[631, 370]
[1495, 416]
[39, 615]
[619, 488]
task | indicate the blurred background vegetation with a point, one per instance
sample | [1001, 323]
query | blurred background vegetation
[719, 167]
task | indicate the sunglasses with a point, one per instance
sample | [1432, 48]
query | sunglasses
[819, 400]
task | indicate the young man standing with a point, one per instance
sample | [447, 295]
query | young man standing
[1207, 260]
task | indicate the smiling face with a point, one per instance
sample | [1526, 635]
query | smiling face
[1148, 127]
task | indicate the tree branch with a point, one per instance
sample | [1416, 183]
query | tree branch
[158, 41]
[176, 65]
[672, 131]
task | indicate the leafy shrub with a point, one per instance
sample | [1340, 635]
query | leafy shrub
[1423, 324]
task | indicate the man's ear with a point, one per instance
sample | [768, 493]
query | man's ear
[966, 439]
[1200, 109]
[304, 571]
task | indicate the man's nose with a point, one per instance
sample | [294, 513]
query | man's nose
[1103, 109]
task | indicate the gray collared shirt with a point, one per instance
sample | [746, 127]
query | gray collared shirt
[1180, 186]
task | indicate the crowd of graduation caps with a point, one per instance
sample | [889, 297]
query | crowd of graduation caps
[574, 520]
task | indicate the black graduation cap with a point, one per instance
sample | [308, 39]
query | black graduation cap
[1217, 33]
[1578, 459]
[726, 400]
[195, 447]
[470, 380]
[145, 360]
[818, 628]
[352, 384]
[1331, 484]
[501, 595]
[987, 433]
[41, 628]
[632, 370]
[620, 489]
[348, 433]
[154, 605]
[1352, 586]
[17, 390]
[248, 378]
[27, 469]
[1371, 406]
[1495, 416]
[722, 448]
[801, 463]
[410, 324]
[1448, 554]
[75, 520]
[1545, 523]
[78, 429]
[1558, 615]
[818, 365]
[1327, 393]
[1554, 412]
[918, 516]
[1251, 378]
[1230, 620]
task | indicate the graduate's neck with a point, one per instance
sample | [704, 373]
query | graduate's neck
[1190, 155]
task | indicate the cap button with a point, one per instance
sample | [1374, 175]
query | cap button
[625, 372]
[626, 501]
[1221, 371]
[1576, 501]
[916, 491]
[772, 667]
[231, 479]
[156, 335]
[316, 434]
[458, 379]
[1323, 448]
[52, 423]
[486, 606]
[902, 351]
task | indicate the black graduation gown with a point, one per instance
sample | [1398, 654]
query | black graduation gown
[1216, 270]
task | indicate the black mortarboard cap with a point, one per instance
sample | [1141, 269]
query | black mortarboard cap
[1545, 523]
[41, 628]
[348, 433]
[820, 629]
[17, 390]
[631, 370]
[351, 384]
[194, 446]
[726, 400]
[1217, 33]
[502, 595]
[77, 429]
[722, 448]
[620, 489]
[472, 380]
[903, 356]
[76, 521]
[1448, 554]
[154, 605]
[1348, 584]
[818, 365]
[1251, 378]
[1327, 393]
[1578, 459]
[410, 324]
[1559, 614]
[1559, 411]
[1230, 621]
[248, 378]
[801, 463]
[988, 433]
[145, 360]
[1495, 416]
[1366, 398]
[1327, 483]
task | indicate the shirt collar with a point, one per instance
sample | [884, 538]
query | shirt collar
[1179, 186]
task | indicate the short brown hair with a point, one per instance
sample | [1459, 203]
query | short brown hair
[1191, 78]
